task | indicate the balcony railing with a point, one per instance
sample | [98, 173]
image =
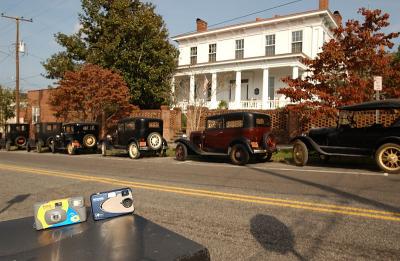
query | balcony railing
[244, 104]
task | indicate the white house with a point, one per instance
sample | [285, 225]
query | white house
[243, 64]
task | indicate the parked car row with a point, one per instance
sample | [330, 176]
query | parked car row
[241, 136]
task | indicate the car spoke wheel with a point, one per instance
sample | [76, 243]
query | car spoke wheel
[89, 141]
[133, 151]
[239, 155]
[20, 141]
[300, 153]
[181, 152]
[388, 158]
[154, 140]
[70, 149]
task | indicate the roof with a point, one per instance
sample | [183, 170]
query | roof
[373, 105]
[256, 23]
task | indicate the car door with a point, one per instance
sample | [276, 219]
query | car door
[212, 135]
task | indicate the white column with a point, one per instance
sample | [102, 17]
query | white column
[214, 104]
[173, 98]
[191, 89]
[295, 72]
[265, 89]
[238, 89]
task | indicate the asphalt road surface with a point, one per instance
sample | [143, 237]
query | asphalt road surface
[268, 211]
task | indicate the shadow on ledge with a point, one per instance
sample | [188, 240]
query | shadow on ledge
[15, 200]
[273, 235]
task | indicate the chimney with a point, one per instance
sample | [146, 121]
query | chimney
[338, 17]
[201, 25]
[323, 4]
[258, 19]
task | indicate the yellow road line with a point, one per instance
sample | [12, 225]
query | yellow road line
[328, 208]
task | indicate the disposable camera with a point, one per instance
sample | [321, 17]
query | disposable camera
[60, 212]
[112, 203]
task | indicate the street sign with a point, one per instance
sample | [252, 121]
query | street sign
[377, 83]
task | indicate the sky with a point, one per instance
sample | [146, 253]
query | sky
[52, 16]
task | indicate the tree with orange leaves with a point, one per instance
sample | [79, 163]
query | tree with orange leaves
[343, 72]
[91, 94]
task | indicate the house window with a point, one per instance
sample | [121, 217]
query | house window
[35, 114]
[212, 53]
[193, 55]
[297, 42]
[270, 45]
[239, 53]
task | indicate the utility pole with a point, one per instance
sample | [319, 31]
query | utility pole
[17, 19]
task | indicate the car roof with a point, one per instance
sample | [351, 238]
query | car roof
[233, 114]
[373, 105]
[139, 118]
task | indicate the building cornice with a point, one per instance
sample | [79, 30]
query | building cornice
[256, 24]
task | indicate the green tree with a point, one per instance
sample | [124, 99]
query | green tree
[6, 105]
[125, 36]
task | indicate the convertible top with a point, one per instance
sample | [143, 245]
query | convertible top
[373, 105]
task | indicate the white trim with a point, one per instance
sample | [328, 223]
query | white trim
[255, 24]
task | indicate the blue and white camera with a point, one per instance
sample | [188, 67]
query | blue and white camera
[112, 203]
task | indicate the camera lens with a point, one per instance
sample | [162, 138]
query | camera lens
[55, 217]
[127, 202]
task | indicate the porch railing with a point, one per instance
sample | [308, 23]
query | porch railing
[244, 105]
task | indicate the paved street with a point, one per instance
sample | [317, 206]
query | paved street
[263, 211]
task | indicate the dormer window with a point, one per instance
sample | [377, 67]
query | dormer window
[297, 42]
[270, 45]
[239, 52]
[193, 55]
[212, 53]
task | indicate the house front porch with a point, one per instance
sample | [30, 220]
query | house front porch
[239, 89]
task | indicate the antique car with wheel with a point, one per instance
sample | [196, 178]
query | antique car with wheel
[75, 137]
[15, 135]
[137, 136]
[44, 135]
[240, 135]
[350, 139]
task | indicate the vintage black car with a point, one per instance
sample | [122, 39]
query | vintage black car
[44, 135]
[239, 135]
[137, 136]
[382, 143]
[15, 135]
[76, 137]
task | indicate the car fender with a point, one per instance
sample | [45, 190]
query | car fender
[390, 139]
[192, 149]
[310, 143]
[133, 140]
[241, 140]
